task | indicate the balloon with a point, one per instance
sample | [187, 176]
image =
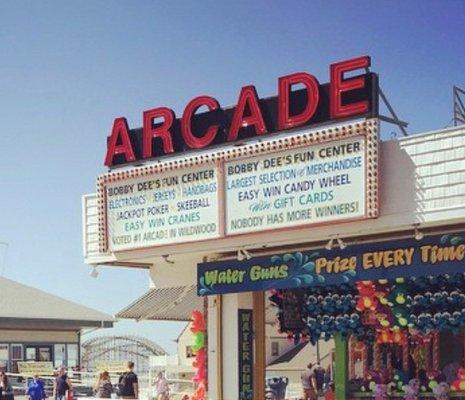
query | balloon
[199, 341]
[198, 321]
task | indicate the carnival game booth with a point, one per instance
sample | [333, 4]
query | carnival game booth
[396, 311]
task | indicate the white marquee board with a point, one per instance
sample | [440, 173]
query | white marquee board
[170, 207]
[307, 185]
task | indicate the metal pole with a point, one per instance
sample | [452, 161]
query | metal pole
[318, 358]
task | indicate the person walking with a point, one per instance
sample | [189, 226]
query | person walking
[308, 382]
[36, 390]
[61, 385]
[103, 387]
[7, 389]
[128, 383]
[161, 387]
[319, 375]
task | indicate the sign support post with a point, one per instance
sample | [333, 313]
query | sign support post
[219, 347]
[259, 342]
[340, 373]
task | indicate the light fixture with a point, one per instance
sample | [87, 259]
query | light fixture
[240, 255]
[341, 243]
[94, 272]
[418, 234]
[330, 243]
[247, 254]
[167, 259]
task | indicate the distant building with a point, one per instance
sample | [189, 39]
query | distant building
[38, 326]
[114, 350]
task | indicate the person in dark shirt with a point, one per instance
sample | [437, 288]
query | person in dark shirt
[128, 383]
[61, 385]
[7, 388]
[319, 378]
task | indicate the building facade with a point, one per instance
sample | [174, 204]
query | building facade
[293, 215]
[39, 327]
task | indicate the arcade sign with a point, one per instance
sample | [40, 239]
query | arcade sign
[301, 101]
[308, 178]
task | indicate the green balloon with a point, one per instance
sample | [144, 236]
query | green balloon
[199, 341]
[432, 384]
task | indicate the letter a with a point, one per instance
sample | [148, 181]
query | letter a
[119, 133]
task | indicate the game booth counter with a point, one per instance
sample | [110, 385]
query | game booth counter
[293, 200]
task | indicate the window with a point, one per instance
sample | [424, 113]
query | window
[30, 353]
[4, 357]
[59, 352]
[45, 353]
[189, 352]
[17, 352]
[16, 355]
[73, 356]
[274, 349]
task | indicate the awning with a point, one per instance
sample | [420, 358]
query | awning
[174, 304]
[165, 304]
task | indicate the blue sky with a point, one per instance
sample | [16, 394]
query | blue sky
[68, 68]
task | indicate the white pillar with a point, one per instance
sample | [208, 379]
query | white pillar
[231, 303]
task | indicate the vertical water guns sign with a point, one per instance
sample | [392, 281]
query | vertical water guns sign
[200, 378]
[245, 354]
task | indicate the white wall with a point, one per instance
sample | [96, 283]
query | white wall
[185, 339]
[272, 335]
[231, 303]
[180, 271]
[212, 349]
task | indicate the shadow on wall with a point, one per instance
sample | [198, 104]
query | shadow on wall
[400, 183]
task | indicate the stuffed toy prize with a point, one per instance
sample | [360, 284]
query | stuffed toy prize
[459, 384]
[441, 391]
[412, 390]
